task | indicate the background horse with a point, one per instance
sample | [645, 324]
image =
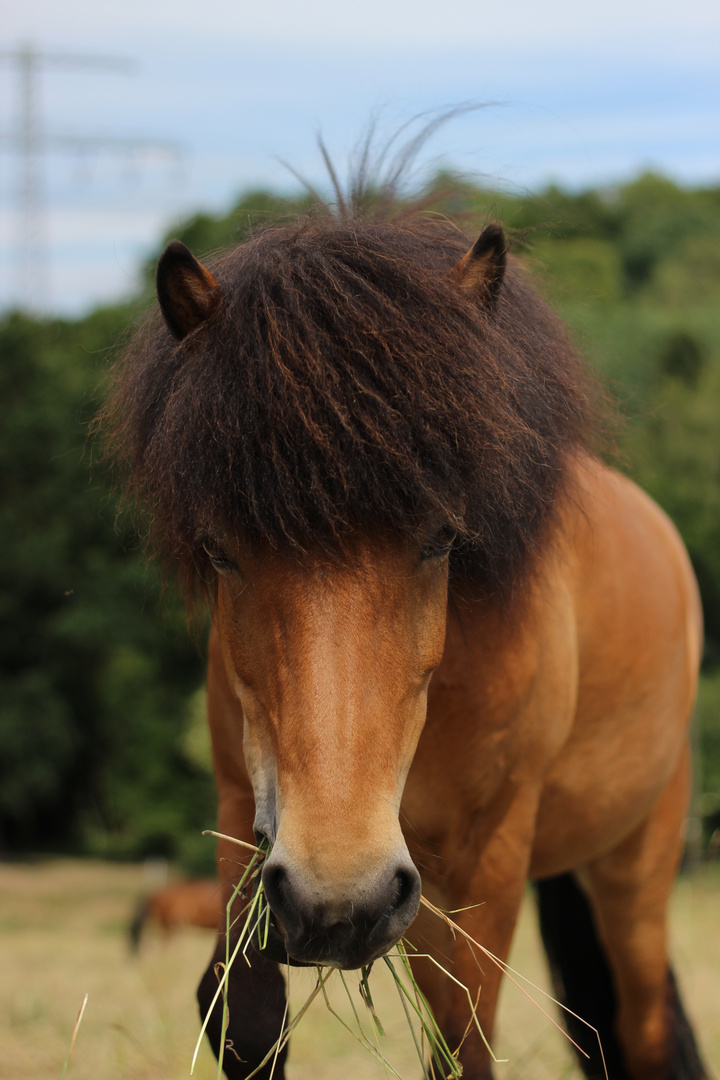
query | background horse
[184, 903]
[432, 607]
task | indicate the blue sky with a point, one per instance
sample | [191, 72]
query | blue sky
[580, 94]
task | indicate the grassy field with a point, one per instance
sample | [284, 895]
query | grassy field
[63, 933]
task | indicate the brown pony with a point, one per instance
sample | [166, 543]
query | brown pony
[447, 641]
[184, 903]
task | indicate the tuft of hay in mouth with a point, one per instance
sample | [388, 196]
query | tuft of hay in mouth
[437, 1060]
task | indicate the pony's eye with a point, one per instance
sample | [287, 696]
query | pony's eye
[222, 562]
[441, 543]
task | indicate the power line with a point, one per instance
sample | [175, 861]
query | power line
[31, 143]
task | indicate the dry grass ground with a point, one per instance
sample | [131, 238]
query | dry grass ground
[63, 929]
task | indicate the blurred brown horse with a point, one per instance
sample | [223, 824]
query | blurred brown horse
[432, 606]
[196, 902]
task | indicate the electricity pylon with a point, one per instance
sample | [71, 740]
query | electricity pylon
[31, 143]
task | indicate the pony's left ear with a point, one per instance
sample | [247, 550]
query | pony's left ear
[187, 292]
[482, 268]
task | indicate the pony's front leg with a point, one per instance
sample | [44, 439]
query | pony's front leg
[256, 994]
[487, 878]
[255, 991]
[256, 1005]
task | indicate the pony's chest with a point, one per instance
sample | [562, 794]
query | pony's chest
[500, 707]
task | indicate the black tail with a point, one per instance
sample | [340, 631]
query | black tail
[137, 925]
[583, 982]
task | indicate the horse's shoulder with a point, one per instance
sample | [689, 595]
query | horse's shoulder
[611, 523]
[625, 560]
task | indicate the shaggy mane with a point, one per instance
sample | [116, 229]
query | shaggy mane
[345, 382]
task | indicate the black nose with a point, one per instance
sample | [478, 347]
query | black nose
[349, 929]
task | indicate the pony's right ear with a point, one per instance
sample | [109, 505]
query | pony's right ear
[187, 292]
[482, 269]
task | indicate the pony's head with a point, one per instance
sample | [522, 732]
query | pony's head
[332, 425]
[331, 660]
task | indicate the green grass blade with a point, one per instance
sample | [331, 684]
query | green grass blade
[410, 1024]
[367, 998]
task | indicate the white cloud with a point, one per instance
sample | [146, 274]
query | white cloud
[399, 24]
[591, 92]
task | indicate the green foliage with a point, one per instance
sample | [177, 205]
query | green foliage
[682, 357]
[587, 270]
[708, 722]
[636, 273]
[92, 680]
[102, 741]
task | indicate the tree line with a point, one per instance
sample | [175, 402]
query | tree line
[102, 743]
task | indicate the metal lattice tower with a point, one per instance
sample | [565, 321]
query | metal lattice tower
[31, 143]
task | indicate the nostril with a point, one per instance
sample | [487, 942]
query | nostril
[402, 900]
[405, 888]
[277, 890]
